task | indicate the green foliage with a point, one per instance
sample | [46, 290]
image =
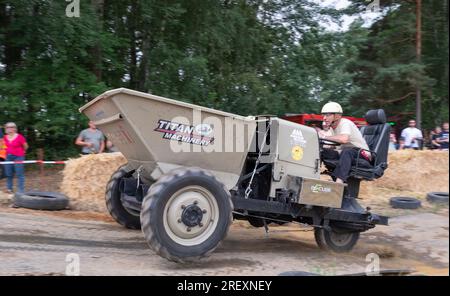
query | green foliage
[387, 71]
[242, 56]
[47, 66]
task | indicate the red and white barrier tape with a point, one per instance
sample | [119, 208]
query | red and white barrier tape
[33, 161]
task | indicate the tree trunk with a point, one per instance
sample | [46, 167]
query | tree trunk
[418, 56]
[132, 26]
[12, 55]
[97, 50]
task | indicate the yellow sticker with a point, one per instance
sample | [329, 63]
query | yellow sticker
[297, 153]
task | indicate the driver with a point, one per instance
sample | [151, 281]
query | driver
[347, 134]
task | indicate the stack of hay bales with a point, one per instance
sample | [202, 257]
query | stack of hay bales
[85, 178]
[416, 171]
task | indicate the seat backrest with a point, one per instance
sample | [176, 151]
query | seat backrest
[376, 134]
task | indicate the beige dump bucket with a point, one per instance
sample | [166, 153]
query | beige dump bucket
[158, 134]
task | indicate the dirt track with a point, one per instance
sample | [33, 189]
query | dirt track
[37, 243]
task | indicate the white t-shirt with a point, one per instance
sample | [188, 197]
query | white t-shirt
[347, 127]
[409, 133]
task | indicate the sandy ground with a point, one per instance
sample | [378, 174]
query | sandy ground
[38, 243]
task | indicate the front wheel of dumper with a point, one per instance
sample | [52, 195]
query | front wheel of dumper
[336, 240]
[186, 214]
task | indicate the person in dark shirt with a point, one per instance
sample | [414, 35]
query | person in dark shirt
[434, 136]
[443, 137]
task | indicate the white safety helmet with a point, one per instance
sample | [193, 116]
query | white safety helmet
[332, 107]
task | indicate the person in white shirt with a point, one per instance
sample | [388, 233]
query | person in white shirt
[412, 136]
[346, 133]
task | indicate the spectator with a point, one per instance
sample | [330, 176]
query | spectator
[443, 137]
[392, 142]
[412, 136]
[16, 146]
[91, 139]
[434, 135]
[110, 147]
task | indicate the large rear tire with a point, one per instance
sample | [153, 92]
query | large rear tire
[336, 240]
[186, 214]
[124, 217]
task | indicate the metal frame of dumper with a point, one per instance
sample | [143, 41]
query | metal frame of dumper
[270, 175]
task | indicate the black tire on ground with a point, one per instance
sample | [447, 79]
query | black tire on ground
[339, 241]
[114, 205]
[438, 197]
[51, 201]
[46, 194]
[401, 202]
[168, 226]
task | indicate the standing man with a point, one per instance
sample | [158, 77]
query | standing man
[91, 139]
[412, 136]
[346, 133]
[443, 137]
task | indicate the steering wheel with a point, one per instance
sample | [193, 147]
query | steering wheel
[323, 142]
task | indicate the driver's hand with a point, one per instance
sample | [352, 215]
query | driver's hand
[322, 134]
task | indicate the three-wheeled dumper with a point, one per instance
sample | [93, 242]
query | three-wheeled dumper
[191, 170]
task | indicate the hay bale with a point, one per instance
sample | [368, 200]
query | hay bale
[411, 173]
[419, 171]
[85, 179]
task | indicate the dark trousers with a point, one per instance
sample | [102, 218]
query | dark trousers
[346, 158]
[15, 169]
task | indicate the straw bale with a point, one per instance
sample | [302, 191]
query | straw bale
[419, 171]
[85, 178]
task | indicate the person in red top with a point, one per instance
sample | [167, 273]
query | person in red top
[2, 154]
[16, 145]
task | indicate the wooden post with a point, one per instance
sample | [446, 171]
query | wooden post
[40, 156]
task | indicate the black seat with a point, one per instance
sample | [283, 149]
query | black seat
[376, 134]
